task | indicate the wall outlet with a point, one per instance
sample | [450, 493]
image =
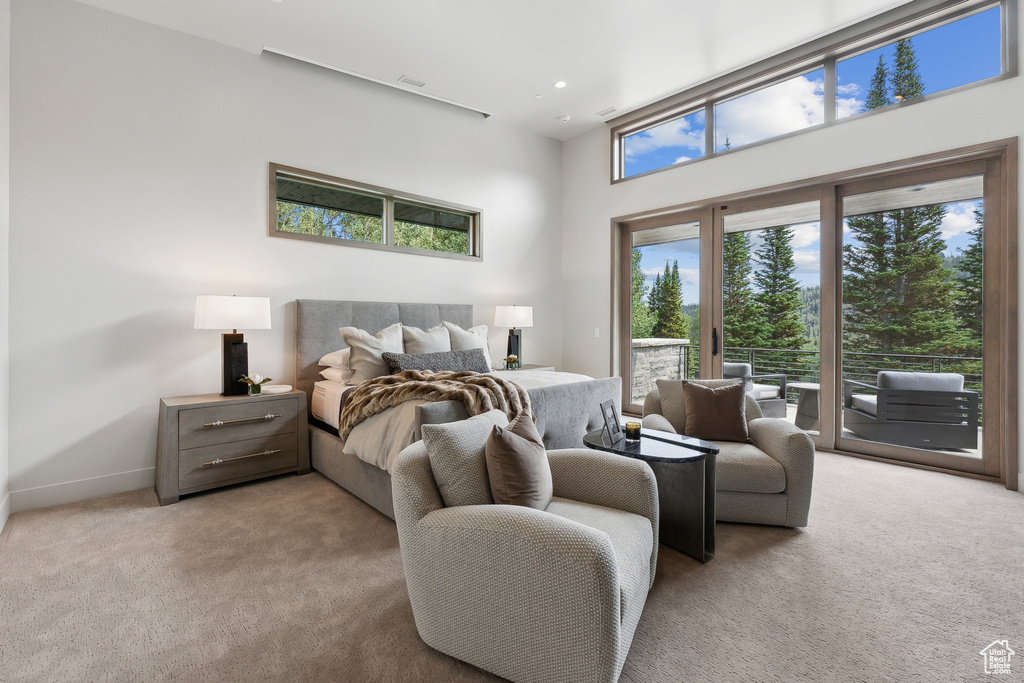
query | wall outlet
[597, 331]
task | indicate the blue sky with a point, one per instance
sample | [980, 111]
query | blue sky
[961, 52]
[798, 103]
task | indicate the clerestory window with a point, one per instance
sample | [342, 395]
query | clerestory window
[882, 64]
[316, 207]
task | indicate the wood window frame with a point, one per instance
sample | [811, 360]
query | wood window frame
[823, 53]
[997, 159]
[389, 198]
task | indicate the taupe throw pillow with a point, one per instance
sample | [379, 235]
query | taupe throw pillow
[517, 465]
[716, 414]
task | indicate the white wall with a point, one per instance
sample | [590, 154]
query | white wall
[139, 180]
[974, 116]
[5, 166]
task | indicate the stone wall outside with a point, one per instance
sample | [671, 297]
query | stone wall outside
[654, 359]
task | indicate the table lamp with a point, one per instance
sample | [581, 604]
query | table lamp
[233, 313]
[514, 317]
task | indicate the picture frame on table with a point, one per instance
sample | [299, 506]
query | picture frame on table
[611, 422]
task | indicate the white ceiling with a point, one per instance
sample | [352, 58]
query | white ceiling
[497, 56]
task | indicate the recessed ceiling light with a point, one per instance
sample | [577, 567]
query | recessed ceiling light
[560, 84]
[539, 97]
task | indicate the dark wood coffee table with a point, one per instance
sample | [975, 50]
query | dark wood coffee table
[685, 470]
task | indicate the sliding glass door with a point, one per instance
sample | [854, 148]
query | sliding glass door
[877, 313]
[913, 320]
[771, 306]
[663, 307]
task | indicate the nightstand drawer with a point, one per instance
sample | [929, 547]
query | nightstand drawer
[218, 424]
[254, 457]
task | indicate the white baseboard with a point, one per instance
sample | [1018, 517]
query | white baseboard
[83, 489]
[5, 510]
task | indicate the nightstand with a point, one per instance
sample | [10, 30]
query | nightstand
[210, 440]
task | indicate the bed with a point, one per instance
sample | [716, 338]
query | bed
[565, 411]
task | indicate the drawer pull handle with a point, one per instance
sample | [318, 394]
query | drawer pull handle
[221, 423]
[218, 461]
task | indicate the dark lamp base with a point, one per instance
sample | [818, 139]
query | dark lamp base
[235, 365]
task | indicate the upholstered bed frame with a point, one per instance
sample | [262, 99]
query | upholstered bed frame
[564, 412]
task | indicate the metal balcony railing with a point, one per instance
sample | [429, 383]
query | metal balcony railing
[801, 365]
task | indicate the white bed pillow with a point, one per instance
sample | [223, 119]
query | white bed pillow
[434, 340]
[337, 359]
[365, 358]
[343, 375]
[473, 338]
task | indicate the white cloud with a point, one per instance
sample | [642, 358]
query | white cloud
[684, 158]
[848, 106]
[805, 234]
[848, 89]
[689, 276]
[678, 133]
[784, 107]
[958, 220]
[807, 261]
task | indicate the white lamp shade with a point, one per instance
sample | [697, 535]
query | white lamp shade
[513, 316]
[232, 312]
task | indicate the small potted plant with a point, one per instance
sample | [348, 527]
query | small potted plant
[512, 362]
[254, 381]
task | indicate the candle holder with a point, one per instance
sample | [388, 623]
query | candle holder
[632, 431]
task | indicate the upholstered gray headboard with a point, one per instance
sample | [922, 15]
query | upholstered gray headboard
[317, 322]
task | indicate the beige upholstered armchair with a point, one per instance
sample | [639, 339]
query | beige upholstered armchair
[767, 481]
[532, 595]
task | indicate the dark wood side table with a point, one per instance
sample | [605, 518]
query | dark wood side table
[209, 440]
[685, 470]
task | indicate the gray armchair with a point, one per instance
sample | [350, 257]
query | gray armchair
[767, 481]
[532, 595]
[917, 409]
[771, 398]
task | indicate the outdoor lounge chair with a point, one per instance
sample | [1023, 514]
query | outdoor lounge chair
[771, 398]
[918, 409]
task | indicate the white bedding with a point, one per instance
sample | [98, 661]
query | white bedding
[380, 438]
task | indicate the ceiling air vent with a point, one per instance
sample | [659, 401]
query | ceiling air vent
[411, 81]
[605, 112]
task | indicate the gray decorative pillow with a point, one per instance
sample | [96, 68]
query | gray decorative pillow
[426, 341]
[456, 452]
[473, 338]
[456, 361]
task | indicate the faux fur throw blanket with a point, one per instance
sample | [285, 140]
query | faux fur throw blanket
[477, 392]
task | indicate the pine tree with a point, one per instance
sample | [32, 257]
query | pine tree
[778, 291]
[667, 305]
[905, 79]
[969, 311]
[743, 323]
[878, 95]
[897, 294]
[642, 317]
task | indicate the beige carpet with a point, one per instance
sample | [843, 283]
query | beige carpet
[903, 575]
